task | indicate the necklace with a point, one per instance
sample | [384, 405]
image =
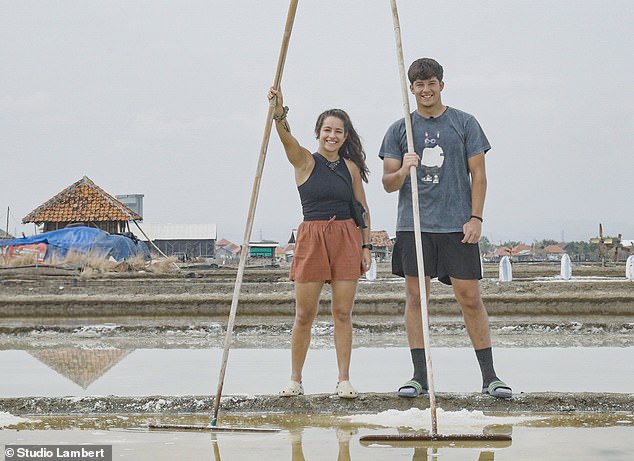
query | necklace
[333, 165]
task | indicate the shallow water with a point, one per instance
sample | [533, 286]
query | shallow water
[580, 438]
[80, 371]
[186, 362]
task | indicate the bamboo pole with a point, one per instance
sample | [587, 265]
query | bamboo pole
[417, 228]
[252, 206]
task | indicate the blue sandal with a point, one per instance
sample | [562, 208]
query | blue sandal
[498, 389]
[411, 389]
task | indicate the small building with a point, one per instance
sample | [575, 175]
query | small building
[518, 253]
[264, 249]
[289, 252]
[289, 249]
[185, 241]
[5, 235]
[293, 238]
[132, 201]
[382, 244]
[380, 240]
[226, 251]
[554, 252]
[83, 203]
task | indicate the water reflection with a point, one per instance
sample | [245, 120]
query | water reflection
[582, 437]
[82, 366]
[424, 450]
[344, 434]
[92, 369]
[421, 450]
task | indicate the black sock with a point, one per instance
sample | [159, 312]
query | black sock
[420, 366]
[485, 359]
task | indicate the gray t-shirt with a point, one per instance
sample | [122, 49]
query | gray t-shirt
[444, 183]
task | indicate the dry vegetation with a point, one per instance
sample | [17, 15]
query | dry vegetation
[93, 266]
[18, 261]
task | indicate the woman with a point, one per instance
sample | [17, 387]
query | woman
[330, 248]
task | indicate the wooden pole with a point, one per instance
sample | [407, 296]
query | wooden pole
[417, 230]
[290, 18]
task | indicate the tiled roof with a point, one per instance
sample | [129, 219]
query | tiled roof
[521, 247]
[519, 250]
[83, 201]
[380, 239]
[554, 249]
[229, 246]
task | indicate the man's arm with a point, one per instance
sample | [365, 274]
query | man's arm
[473, 227]
[395, 172]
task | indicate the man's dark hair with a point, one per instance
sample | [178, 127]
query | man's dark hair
[424, 69]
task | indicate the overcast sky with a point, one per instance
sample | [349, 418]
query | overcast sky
[168, 99]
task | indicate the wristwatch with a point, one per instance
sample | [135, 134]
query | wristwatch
[369, 246]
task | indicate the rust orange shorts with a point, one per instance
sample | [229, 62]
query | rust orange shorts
[326, 251]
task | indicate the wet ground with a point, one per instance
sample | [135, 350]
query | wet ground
[543, 437]
[104, 379]
[106, 383]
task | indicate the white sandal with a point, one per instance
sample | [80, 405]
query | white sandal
[292, 389]
[346, 391]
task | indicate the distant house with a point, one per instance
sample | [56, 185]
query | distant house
[380, 240]
[263, 249]
[554, 252]
[83, 203]
[280, 253]
[5, 235]
[185, 241]
[382, 244]
[226, 251]
[289, 252]
[289, 249]
[293, 238]
[521, 252]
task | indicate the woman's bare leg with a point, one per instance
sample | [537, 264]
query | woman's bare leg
[306, 307]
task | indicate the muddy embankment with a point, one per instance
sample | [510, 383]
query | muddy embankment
[545, 402]
[594, 309]
[536, 290]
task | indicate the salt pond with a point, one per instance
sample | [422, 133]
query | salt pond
[139, 372]
[543, 437]
[51, 364]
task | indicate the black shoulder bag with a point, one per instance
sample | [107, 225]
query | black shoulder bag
[357, 211]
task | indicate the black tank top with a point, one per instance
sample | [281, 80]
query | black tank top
[325, 194]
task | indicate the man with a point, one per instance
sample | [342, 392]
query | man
[450, 147]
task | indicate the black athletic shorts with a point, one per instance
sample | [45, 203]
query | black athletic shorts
[444, 255]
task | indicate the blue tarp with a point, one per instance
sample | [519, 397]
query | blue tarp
[86, 240]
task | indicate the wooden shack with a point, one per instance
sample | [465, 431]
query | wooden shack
[83, 203]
